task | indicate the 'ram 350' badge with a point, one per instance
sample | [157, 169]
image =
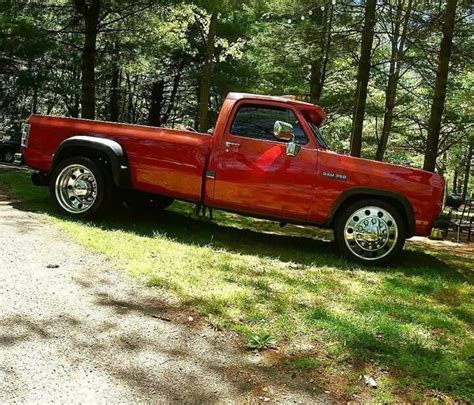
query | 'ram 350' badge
[335, 176]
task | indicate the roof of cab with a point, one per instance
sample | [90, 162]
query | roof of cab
[301, 104]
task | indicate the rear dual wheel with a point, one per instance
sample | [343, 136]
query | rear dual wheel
[370, 231]
[81, 187]
[84, 188]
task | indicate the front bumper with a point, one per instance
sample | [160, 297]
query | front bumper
[18, 159]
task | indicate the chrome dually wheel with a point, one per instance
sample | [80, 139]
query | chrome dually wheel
[371, 233]
[76, 189]
[82, 186]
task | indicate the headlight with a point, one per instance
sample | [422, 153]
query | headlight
[25, 132]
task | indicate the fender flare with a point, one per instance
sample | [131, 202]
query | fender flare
[112, 149]
[364, 192]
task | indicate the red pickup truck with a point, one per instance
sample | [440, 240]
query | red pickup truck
[265, 158]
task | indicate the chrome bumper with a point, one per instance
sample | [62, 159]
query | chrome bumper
[18, 159]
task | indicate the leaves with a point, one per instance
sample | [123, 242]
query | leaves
[262, 342]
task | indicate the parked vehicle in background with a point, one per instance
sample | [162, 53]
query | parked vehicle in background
[266, 158]
[10, 138]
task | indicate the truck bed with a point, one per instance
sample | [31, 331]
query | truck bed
[164, 161]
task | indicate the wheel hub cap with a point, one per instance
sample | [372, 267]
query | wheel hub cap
[371, 233]
[81, 188]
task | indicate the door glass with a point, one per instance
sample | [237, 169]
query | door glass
[255, 121]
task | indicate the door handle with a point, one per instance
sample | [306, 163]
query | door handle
[231, 145]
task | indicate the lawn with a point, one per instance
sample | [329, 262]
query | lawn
[410, 325]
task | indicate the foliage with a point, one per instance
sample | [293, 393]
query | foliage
[261, 342]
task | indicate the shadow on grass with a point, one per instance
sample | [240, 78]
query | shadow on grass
[264, 240]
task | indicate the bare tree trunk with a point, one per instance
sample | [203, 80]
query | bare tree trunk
[437, 107]
[34, 106]
[363, 74]
[90, 12]
[323, 23]
[205, 83]
[157, 91]
[467, 171]
[174, 92]
[115, 93]
[398, 40]
[455, 180]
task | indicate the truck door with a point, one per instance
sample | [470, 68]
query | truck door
[253, 172]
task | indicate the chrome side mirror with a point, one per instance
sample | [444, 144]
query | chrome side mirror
[284, 132]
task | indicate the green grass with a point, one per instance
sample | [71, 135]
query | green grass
[410, 324]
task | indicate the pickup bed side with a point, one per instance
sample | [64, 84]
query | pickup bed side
[162, 161]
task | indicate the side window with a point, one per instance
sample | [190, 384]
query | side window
[256, 121]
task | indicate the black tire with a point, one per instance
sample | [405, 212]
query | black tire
[375, 243]
[102, 187]
[139, 201]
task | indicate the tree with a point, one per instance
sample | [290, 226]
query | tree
[398, 37]
[467, 168]
[206, 74]
[363, 74]
[441, 83]
[90, 12]
[323, 21]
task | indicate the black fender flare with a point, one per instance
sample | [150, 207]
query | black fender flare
[357, 193]
[113, 150]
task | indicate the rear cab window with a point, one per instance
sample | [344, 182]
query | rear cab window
[257, 122]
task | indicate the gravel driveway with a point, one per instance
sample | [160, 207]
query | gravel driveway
[75, 329]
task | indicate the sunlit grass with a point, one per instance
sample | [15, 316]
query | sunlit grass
[411, 324]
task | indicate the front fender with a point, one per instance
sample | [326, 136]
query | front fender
[357, 193]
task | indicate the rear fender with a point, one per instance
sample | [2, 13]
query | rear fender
[112, 149]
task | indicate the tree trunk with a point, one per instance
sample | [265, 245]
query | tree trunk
[315, 81]
[363, 74]
[467, 171]
[156, 103]
[205, 83]
[34, 106]
[90, 12]
[437, 107]
[174, 92]
[398, 40]
[323, 23]
[115, 93]
[455, 180]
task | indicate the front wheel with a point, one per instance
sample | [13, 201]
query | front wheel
[81, 187]
[370, 231]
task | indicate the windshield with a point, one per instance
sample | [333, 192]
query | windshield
[319, 136]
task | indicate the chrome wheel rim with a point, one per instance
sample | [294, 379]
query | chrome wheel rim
[76, 189]
[371, 233]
